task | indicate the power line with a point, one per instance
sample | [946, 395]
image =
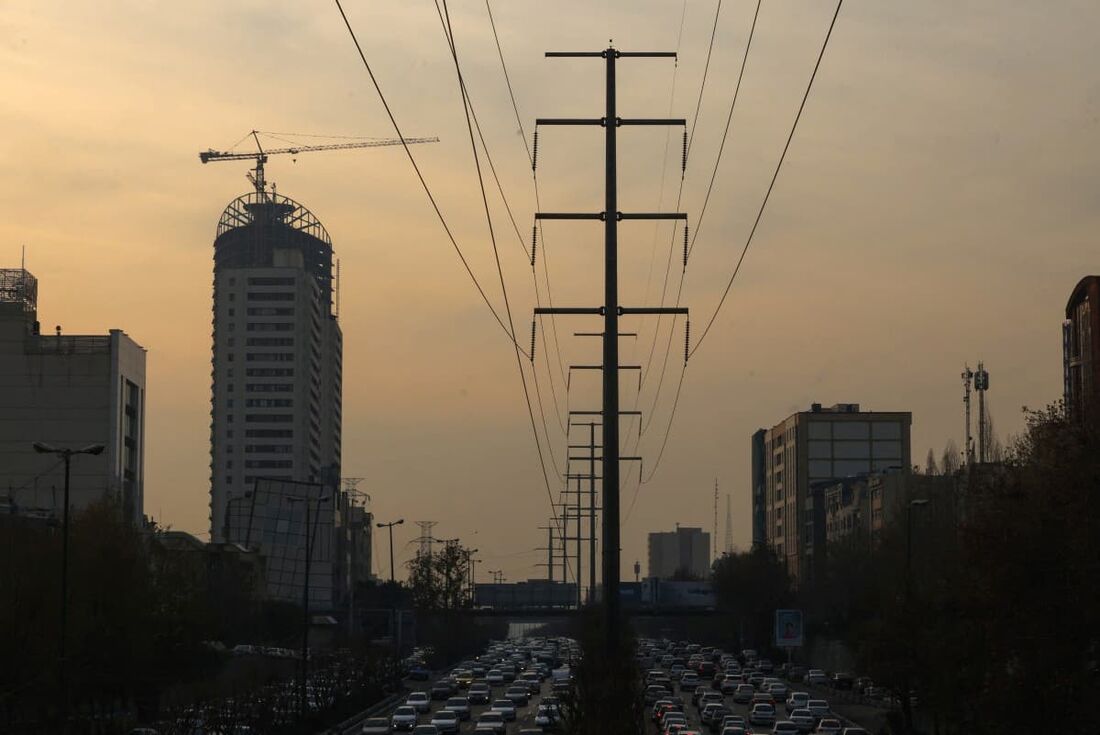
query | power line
[725, 133]
[420, 176]
[445, 19]
[706, 68]
[771, 185]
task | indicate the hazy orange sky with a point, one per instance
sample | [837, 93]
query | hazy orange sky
[936, 207]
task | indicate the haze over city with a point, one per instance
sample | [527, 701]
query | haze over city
[935, 208]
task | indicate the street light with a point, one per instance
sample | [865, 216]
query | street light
[66, 454]
[307, 532]
[390, 526]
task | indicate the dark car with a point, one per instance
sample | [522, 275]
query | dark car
[441, 691]
[842, 681]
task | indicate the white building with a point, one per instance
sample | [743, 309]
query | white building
[68, 391]
[275, 406]
[682, 550]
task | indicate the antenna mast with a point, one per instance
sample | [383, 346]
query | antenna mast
[968, 448]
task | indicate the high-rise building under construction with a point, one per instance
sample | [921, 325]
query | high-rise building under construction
[277, 353]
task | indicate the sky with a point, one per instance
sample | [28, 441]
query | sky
[936, 207]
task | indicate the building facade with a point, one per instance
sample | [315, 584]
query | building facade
[1081, 346]
[277, 353]
[682, 550]
[68, 391]
[759, 489]
[806, 451]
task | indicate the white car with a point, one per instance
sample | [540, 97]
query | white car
[785, 727]
[743, 693]
[818, 708]
[506, 709]
[419, 701]
[405, 718]
[803, 719]
[446, 721]
[491, 722]
[762, 714]
[817, 677]
[828, 726]
[778, 690]
[797, 700]
[373, 726]
[495, 677]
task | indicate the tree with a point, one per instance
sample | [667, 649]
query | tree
[750, 586]
[950, 463]
[439, 580]
[930, 466]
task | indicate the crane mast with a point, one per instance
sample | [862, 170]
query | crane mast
[256, 174]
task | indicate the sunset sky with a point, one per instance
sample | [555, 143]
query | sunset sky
[938, 203]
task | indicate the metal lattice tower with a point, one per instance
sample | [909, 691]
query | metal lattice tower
[425, 537]
[728, 541]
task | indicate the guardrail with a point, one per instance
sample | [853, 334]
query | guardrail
[371, 711]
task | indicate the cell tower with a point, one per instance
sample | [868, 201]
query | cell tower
[968, 448]
[715, 542]
[425, 538]
[729, 527]
[981, 384]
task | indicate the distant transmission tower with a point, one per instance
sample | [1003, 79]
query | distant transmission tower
[981, 384]
[425, 537]
[729, 527]
[968, 448]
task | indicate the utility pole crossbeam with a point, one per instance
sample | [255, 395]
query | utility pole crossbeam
[611, 311]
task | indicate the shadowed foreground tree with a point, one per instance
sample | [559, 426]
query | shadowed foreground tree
[750, 586]
[607, 690]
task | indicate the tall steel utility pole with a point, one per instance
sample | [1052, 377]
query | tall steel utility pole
[981, 385]
[611, 310]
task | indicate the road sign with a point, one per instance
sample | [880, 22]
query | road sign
[788, 628]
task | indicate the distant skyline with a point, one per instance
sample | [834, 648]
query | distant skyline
[937, 206]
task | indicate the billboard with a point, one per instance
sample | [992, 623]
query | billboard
[788, 628]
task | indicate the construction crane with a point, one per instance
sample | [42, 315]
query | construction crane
[256, 175]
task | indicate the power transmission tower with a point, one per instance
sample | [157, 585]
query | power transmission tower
[425, 537]
[549, 549]
[611, 310]
[728, 541]
[981, 385]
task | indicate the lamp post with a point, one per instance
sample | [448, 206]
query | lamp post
[470, 573]
[66, 455]
[390, 526]
[307, 532]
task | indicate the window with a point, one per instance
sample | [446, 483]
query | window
[887, 450]
[229, 403]
[229, 464]
[232, 297]
[269, 463]
[270, 327]
[270, 311]
[820, 469]
[228, 433]
[886, 430]
[270, 296]
[269, 433]
[269, 418]
[851, 430]
[231, 342]
[269, 388]
[269, 341]
[820, 449]
[269, 372]
[269, 403]
[268, 448]
[232, 281]
[851, 450]
[232, 311]
[269, 357]
[261, 281]
[229, 479]
[821, 430]
[847, 467]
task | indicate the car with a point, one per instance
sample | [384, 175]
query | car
[675, 728]
[506, 709]
[531, 680]
[729, 683]
[818, 708]
[785, 727]
[709, 709]
[733, 721]
[460, 706]
[762, 714]
[796, 674]
[376, 726]
[658, 706]
[495, 677]
[762, 698]
[797, 700]
[743, 694]
[446, 721]
[816, 677]
[519, 696]
[419, 672]
[853, 731]
[756, 679]
[843, 681]
[425, 730]
[673, 718]
[710, 698]
[664, 709]
[547, 716]
[765, 666]
[653, 692]
[440, 692]
[405, 718]
[491, 722]
[733, 730]
[828, 726]
[689, 680]
[420, 701]
[803, 719]
[715, 717]
[464, 677]
[778, 690]
[479, 693]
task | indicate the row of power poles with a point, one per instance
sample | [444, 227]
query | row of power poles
[610, 311]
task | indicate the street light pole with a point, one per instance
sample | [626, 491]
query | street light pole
[390, 526]
[307, 533]
[67, 456]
